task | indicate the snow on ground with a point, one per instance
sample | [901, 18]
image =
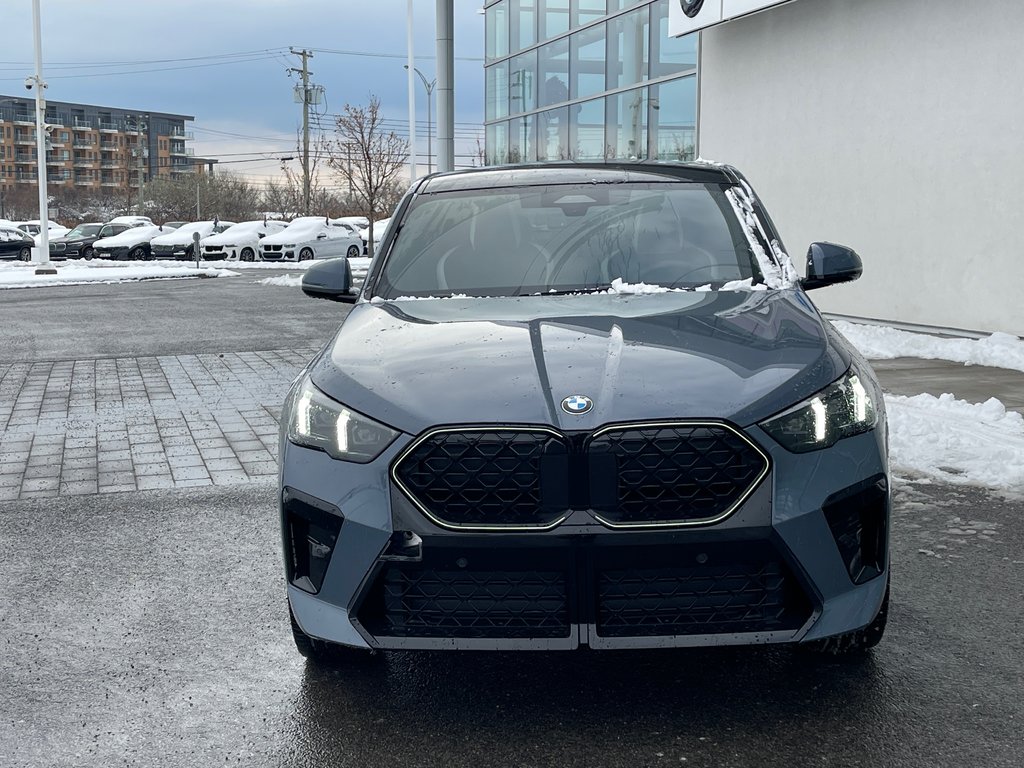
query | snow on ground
[23, 275]
[943, 438]
[288, 281]
[1000, 350]
[957, 442]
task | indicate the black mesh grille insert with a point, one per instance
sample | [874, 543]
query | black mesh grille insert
[482, 478]
[416, 601]
[705, 591]
[671, 474]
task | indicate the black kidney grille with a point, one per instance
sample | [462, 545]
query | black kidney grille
[417, 601]
[669, 474]
[685, 600]
[482, 478]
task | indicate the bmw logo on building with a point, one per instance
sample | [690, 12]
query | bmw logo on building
[577, 404]
[691, 7]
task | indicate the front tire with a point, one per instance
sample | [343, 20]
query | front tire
[247, 255]
[87, 252]
[306, 254]
[353, 252]
[138, 253]
[859, 641]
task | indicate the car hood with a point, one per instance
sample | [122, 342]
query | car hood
[174, 237]
[133, 236]
[298, 235]
[735, 355]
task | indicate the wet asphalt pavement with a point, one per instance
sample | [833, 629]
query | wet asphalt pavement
[150, 628]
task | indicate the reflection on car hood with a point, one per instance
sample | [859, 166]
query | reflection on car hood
[733, 355]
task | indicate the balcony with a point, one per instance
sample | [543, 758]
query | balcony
[24, 120]
[56, 120]
[57, 160]
[108, 183]
[181, 135]
[108, 146]
[83, 124]
[108, 127]
[22, 139]
[83, 182]
[83, 145]
[24, 157]
[26, 178]
[109, 164]
[83, 162]
[182, 151]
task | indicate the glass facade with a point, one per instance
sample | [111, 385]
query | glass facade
[587, 80]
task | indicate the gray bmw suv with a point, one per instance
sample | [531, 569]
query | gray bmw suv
[584, 405]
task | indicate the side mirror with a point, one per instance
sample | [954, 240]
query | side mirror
[261, 235]
[829, 264]
[331, 280]
[321, 236]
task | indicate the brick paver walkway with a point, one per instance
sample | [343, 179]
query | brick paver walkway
[100, 426]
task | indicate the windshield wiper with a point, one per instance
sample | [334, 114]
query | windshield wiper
[570, 291]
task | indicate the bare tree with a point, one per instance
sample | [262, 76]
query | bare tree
[369, 158]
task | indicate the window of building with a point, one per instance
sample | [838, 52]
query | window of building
[553, 134]
[588, 66]
[553, 69]
[522, 83]
[497, 144]
[586, 130]
[627, 125]
[496, 103]
[628, 50]
[523, 22]
[496, 22]
[522, 140]
[586, 11]
[553, 17]
[674, 119]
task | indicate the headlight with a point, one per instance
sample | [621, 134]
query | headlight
[317, 421]
[842, 409]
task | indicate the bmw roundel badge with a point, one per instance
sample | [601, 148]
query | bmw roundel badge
[691, 7]
[577, 405]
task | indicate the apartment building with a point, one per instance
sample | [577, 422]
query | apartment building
[92, 148]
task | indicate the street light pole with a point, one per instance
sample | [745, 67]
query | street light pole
[411, 87]
[42, 255]
[429, 86]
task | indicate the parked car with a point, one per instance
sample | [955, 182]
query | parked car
[131, 244]
[174, 224]
[379, 228]
[79, 242]
[179, 243]
[35, 228]
[240, 241]
[617, 421]
[311, 237]
[15, 243]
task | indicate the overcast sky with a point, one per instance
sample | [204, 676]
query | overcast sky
[157, 56]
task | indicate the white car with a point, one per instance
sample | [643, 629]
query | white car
[311, 237]
[379, 228]
[178, 243]
[242, 241]
[35, 228]
[132, 244]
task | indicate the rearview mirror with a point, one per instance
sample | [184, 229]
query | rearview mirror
[331, 280]
[829, 264]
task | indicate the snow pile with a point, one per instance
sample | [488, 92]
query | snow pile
[957, 442]
[288, 281]
[1000, 350]
[66, 275]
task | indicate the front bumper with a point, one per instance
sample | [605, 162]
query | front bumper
[113, 253]
[780, 568]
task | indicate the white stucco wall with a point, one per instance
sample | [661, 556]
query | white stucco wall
[896, 128]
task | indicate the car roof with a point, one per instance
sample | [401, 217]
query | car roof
[578, 173]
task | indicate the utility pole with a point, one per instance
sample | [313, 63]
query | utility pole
[42, 251]
[305, 73]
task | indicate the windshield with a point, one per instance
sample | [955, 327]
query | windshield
[84, 230]
[567, 238]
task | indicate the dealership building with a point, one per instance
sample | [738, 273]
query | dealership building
[893, 128]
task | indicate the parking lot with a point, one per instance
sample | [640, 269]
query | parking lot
[144, 620]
